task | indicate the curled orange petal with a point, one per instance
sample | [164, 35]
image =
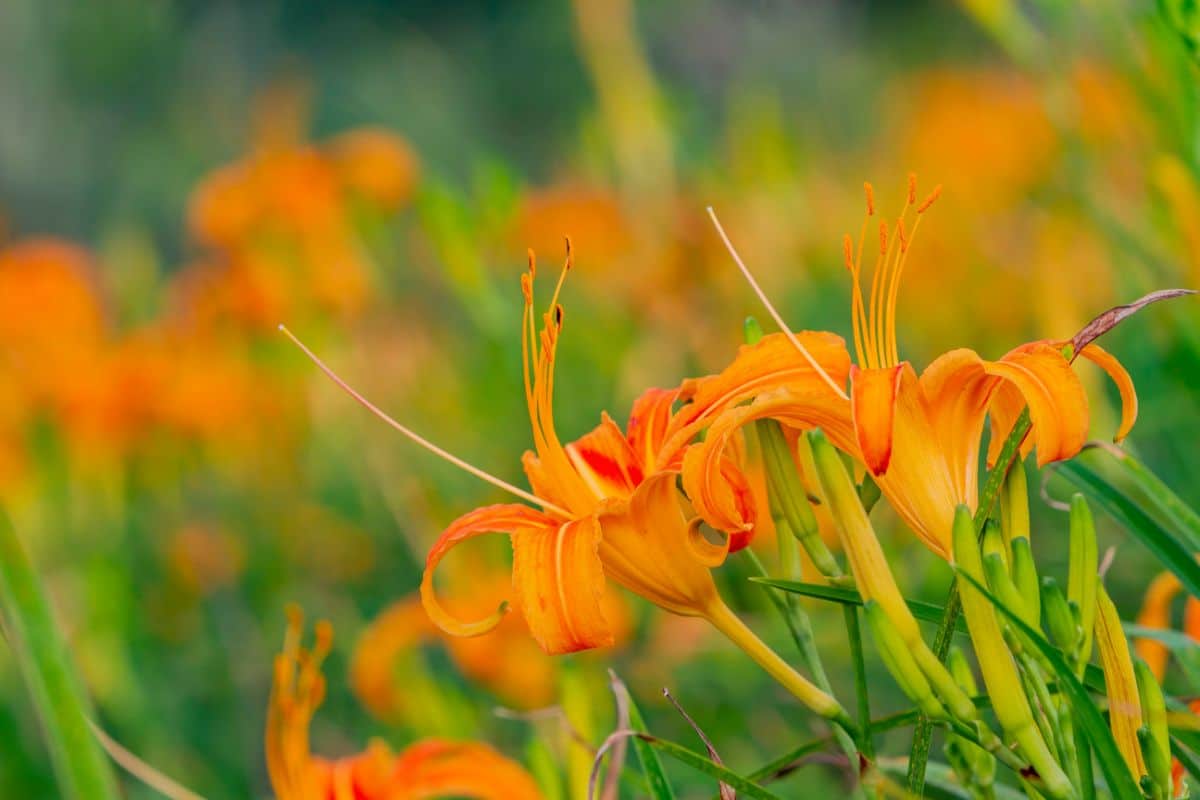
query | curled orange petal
[649, 420]
[1058, 406]
[873, 395]
[1129, 400]
[605, 460]
[507, 518]
[559, 584]
[1156, 614]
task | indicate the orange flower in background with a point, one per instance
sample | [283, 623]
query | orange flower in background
[375, 164]
[428, 769]
[52, 322]
[507, 661]
[919, 436]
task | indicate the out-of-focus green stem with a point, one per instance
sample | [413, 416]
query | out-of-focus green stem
[919, 755]
[82, 769]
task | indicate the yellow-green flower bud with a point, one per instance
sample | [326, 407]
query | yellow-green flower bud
[752, 332]
[1124, 701]
[1014, 503]
[1000, 674]
[1154, 712]
[1158, 766]
[1081, 577]
[789, 496]
[993, 543]
[1059, 619]
[1003, 588]
[873, 575]
[900, 662]
[1025, 578]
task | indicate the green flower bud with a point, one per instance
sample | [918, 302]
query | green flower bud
[1025, 577]
[1064, 630]
[1082, 575]
[1014, 503]
[1154, 712]
[900, 662]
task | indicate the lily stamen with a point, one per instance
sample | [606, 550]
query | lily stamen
[416, 437]
[812, 362]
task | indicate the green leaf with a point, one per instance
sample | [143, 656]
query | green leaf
[1169, 547]
[1181, 516]
[927, 612]
[82, 769]
[1086, 714]
[657, 784]
[1186, 757]
[705, 765]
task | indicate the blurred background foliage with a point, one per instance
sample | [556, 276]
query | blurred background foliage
[178, 178]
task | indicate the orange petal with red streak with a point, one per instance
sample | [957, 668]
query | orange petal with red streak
[873, 395]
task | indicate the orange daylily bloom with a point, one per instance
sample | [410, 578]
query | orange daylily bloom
[609, 508]
[428, 769]
[918, 435]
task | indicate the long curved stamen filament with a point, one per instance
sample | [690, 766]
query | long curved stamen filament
[812, 362]
[417, 438]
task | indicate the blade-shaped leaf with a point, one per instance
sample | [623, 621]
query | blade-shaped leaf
[1168, 546]
[705, 765]
[657, 785]
[927, 612]
[82, 769]
[1086, 714]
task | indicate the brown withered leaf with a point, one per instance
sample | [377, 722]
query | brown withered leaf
[727, 792]
[1105, 322]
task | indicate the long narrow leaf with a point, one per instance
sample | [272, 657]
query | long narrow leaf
[1180, 514]
[1087, 716]
[652, 769]
[82, 769]
[927, 612]
[1167, 546]
[705, 765]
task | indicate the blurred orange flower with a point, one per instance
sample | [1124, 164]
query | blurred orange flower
[428, 769]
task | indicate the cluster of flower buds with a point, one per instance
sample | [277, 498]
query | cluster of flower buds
[1031, 726]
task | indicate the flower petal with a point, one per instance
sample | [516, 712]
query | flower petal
[437, 768]
[510, 519]
[559, 584]
[957, 392]
[704, 478]
[649, 420]
[873, 403]
[1058, 407]
[646, 549]
[1156, 615]
[605, 460]
[1129, 401]
[772, 363]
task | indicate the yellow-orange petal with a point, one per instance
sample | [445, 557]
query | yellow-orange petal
[646, 549]
[649, 420]
[508, 518]
[772, 363]
[436, 768]
[957, 392]
[1038, 375]
[704, 477]
[559, 584]
[1129, 400]
[873, 395]
[1156, 614]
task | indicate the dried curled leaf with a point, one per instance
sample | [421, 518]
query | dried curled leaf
[1106, 321]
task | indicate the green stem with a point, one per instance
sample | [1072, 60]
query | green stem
[922, 737]
[800, 627]
[863, 701]
[83, 770]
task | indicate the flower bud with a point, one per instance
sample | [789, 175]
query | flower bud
[1082, 575]
[1025, 578]
[1158, 766]
[789, 497]
[1154, 712]
[900, 662]
[1014, 503]
[1059, 620]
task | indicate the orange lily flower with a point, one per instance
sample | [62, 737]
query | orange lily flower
[1156, 614]
[606, 506]
[428, 769]
[918, 435]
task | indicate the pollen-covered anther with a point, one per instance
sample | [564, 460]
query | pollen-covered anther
[912, 188]
[869, 190]
[527, 283]
[532, 258]
[903, 234]
[933, 196]
[570, 253]
[848, 252]
[883, 238]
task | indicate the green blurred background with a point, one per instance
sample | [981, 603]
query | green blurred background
[178, 178]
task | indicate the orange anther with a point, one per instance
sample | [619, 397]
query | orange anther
[934, 195]
[883, 231]
[903, 235]
[848, 251]
[870, 192]
[912, 187]
[570, 253]
[532, 262]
